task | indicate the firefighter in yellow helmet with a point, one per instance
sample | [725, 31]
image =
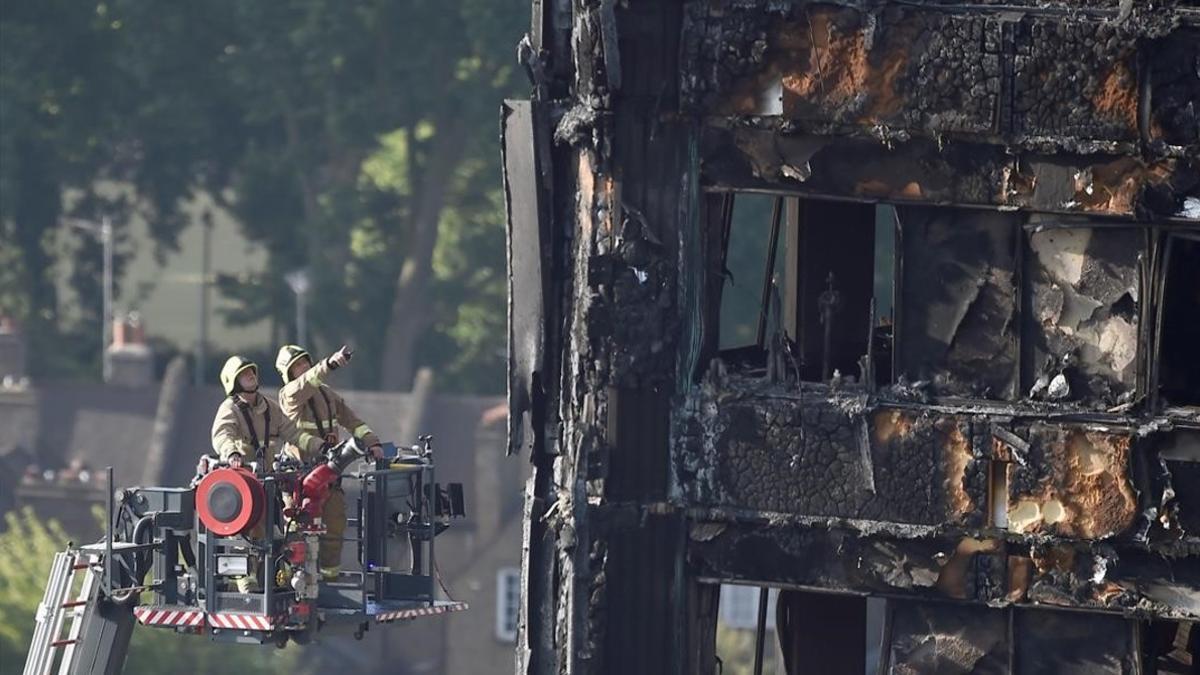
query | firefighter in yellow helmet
[250, 427]
[319, 410]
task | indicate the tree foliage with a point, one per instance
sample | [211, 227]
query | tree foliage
[352, 138]
[27, 548]
[735, 649]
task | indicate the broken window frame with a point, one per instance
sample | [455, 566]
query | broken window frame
[1015, 646]
[1024, 274]
[1150, 272]
[786, 222]
[728, 206]
[1146, 306]
[744, 616]
[904, 325]
[1162, 244]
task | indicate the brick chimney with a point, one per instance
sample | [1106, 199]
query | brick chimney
[128, 331]
[132, 359]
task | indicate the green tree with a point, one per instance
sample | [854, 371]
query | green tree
[735, 649]
[91, 95]
[27, 547]
[396, 152]
[349, 137]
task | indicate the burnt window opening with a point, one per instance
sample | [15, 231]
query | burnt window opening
[1081, 313]
[1176, 485]
[747, 246]
[812, 279]
[832, 290]
[737, 629]
[958, 285]
[1179, 353]
[883, 331]
[1170, 646]
[829, 633]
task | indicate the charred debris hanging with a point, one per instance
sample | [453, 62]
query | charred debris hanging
[892, 300]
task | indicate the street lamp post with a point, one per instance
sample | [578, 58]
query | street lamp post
[205, 264]
[298, 281]
[103, 231]
[106, 239]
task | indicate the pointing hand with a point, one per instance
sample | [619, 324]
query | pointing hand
[341, 357]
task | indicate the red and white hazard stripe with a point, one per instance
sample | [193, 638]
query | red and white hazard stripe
[160, 616]
[399, 614]
[241, 621]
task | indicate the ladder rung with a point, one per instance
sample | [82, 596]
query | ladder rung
[74, 603]
[79, 566]
[60, 643]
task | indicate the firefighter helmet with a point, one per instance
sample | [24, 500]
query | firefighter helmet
[288, 356]
[233, 367]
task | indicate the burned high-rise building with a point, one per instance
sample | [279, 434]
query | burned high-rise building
[875, 299]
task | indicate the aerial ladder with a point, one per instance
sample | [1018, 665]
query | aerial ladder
[171, 557]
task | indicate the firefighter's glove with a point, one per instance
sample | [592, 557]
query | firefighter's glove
[341, 357]
[204, 465]
[286, 462]
[235, 461]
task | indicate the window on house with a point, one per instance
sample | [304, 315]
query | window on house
[1179, 323]
[508, 602]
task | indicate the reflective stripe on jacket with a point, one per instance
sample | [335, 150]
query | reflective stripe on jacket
[307, 394]
[230, 434]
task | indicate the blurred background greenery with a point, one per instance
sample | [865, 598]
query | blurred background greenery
[353, 140]
[27, 547]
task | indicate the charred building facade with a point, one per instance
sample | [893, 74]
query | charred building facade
[894, 299]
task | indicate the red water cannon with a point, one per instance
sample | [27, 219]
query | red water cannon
[230, 501]
[314, 488]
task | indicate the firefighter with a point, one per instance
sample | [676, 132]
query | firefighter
[319, 410]
[249, 427]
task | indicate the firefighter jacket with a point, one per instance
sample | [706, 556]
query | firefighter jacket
[319, 410]
[256, 430]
